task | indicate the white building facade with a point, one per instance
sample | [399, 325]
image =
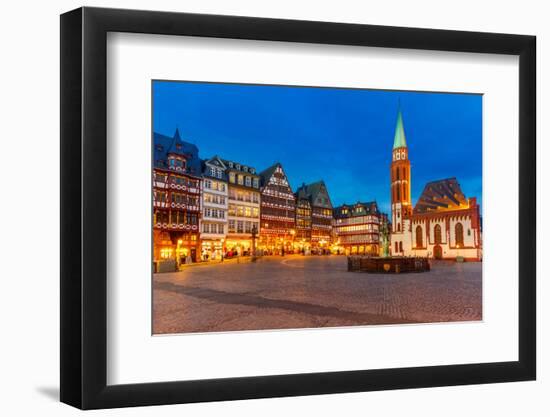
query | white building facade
[243, 214]
[214, 199]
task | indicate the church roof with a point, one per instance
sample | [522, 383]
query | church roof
[399, 140]
[441, 195]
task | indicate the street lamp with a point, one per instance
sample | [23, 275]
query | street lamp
[254, 233]
[180, 242]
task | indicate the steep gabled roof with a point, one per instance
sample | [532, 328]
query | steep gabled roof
[267, 173]
[164, 145]
[313, 191]
[441, 195]
[215, 161]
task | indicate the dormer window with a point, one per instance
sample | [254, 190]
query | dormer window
[238, 166]
[175, 163]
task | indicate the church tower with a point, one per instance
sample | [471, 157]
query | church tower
[400, 175]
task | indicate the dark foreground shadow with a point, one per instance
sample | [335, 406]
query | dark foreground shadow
[224, 297]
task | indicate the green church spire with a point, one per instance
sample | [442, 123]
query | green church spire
[399, 138]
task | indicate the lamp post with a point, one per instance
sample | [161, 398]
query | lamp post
[254, 233]
[178, 253]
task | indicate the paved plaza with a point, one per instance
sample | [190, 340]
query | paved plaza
[305, 292]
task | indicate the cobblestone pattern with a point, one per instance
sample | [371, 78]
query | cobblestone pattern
[309, 292]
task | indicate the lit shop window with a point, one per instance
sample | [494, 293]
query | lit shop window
[166, 253]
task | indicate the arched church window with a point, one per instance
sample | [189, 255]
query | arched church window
[397, 173]
[398, 227]
[398, 193]
[459, 235]
[418, 232]
[400, 246]
[437, 234]
[396, 248]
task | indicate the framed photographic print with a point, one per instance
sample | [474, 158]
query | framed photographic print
[257, 208]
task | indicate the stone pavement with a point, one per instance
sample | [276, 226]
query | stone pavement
[307, 292]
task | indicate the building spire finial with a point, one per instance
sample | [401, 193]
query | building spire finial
[399, 140]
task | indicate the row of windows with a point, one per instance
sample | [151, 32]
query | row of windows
[214, 198]
[243, 211]
[322, 211]
[174, 162]
[175, 179]
[303, 223]
[242, 195]
[240, 226]
[357, 211]
[279, 192]
[175, 217]
[213, 228]
[214, 213]
[269, 211]
[216, 172]
[179, 198]
[357, 220]
[241, 168]
[214, 185]
[358, 239]
[244, 180]
[357, 228]
[459, 235]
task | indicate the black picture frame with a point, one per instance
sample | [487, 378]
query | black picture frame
[84, 207]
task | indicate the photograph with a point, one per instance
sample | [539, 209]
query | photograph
[292, 207]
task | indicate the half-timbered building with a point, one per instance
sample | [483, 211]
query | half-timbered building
[278, 211]
[176, 200]
[357, 228]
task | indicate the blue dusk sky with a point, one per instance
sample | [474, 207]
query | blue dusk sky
[343, 136]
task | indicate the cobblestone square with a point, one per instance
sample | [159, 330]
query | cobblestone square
[309, 292]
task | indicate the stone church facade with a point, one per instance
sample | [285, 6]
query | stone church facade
[443, 224]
